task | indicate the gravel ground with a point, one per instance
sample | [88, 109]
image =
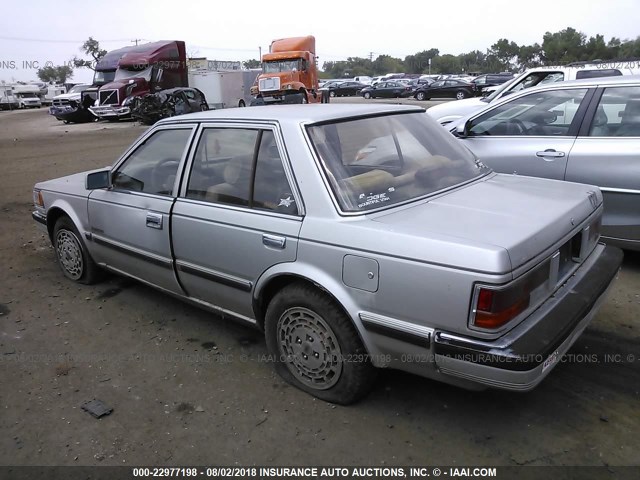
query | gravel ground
[188, 387]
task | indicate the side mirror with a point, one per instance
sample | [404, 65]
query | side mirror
[97, 180]
[462, 130]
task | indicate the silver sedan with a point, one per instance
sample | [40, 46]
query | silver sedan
[354, 236]
[585, 131]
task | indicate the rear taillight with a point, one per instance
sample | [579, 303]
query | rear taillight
[495, 308]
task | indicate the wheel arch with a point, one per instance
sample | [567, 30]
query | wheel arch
[60, 209]
[278, 278]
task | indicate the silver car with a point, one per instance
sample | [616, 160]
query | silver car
[585, 131]
[354, 236]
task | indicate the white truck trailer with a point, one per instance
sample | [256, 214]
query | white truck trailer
[224, 89]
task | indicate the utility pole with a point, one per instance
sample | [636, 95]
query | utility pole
[371, 56]
[259, 54]
[136, 40]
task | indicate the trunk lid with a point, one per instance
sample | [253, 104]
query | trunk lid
[522, 215]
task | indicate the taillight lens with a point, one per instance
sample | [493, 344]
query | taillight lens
[495, 308]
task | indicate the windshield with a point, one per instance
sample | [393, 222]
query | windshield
[281, 66]
[525, 81]
[27, 95]
[102, 77]
[78, 88]
[123, 74]
[385, 160]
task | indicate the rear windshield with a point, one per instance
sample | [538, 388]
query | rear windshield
[381, 161]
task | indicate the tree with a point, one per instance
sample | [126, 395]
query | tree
[90, 47]
[563, 47]
[419, 62]
[59, 74]
[446, 64]
[253, 63]
[384, 64]
[506, 53]
[530, 56]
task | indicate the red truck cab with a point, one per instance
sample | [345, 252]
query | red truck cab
[141, 70]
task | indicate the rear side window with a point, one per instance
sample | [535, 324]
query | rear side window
[612, 72]
[618, 113]
[241, 167]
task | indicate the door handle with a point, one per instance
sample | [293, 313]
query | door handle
[273, 241]
[154, 220]
[551, 153]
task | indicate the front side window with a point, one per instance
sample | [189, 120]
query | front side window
[618, 113]
[541, 113]
[153, 166]
[385, 160]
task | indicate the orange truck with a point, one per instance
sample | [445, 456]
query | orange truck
[289, 73]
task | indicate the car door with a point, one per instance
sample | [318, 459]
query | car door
[530, 134]
[238, 214]
[607, 153]
[129, 222]
[194, 103]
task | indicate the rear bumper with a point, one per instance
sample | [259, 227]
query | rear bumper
[524, 356]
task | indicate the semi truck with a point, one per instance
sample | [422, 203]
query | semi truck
[140, 70]
[224, 89]
[289, 72]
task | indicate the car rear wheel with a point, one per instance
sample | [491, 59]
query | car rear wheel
[460, 95]
[315, 347]
[241, 104]
[421, 96]
[72, 255]
[332, 94]
[367, 95]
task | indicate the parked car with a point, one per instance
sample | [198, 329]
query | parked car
[69, 108]
[168, 103]
[346, 89]
[420, 82]
[386, 89]
[449, 88]
[363, 79]
[330, 83]
[585, 131]
[448, 112]
[354, 236]
[491, 80]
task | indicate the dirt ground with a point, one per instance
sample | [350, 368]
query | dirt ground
[188, 387]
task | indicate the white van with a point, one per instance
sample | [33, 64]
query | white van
[448, 112]
[363, 79]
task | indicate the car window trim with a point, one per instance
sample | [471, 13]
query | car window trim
[590, 113]
[573, 128]
[248, 125]
[141, 141]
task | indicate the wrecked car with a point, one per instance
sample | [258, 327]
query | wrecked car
[152, 107]
[355, 237]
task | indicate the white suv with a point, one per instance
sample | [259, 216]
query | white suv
[448, 112]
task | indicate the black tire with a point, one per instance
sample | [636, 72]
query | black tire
[241, 104]
[367, 95]
[72, 255]
[332, 93]
[461, 94]
[305, 99]
[421, 96]
[339, 371]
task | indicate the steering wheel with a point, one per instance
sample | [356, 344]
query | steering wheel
[516, 127]
[163, 175]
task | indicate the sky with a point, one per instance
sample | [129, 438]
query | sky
[38, 33]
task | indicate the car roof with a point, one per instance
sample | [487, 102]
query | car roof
[587, 82]
[310, 113]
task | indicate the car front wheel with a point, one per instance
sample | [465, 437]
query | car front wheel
[72, 255]
[315, 347]
[421, 96]
[461, 95]
[367, 95]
